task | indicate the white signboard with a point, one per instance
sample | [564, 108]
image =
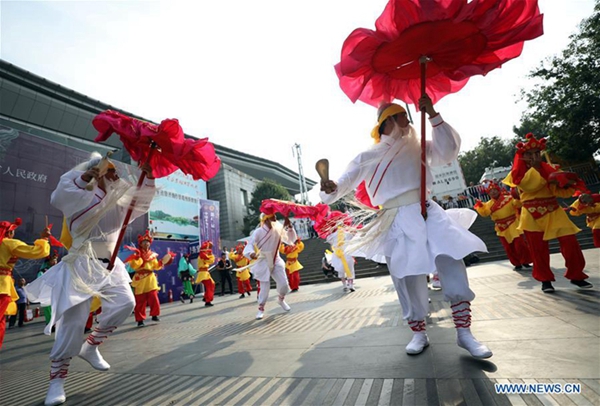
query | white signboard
[448, 180]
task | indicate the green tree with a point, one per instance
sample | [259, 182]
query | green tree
[267, 189]
[565, 104]
[490, 152]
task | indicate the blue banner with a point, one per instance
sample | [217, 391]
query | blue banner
[209, 224]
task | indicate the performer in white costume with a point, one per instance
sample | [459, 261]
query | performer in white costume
[413, 247]
[264, 248]
[94, 205]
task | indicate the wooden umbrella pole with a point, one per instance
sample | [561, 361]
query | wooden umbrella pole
[423, 61]
[111, 264]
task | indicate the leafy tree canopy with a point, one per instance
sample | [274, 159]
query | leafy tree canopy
[490, 152]
[565, 104]
[267, 189]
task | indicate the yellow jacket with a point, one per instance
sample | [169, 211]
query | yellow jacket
[541, 212]
[240, 261]
[10, 251]
[144, 280]
[505, 213]
[291, 253]
[593, 213]
[205, 260]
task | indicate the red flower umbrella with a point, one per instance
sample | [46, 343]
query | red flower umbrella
[433, 47]
[194, 157]
[461, 38]
[163, 146]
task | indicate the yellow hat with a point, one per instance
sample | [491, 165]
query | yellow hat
[385, 111]
[264, 217]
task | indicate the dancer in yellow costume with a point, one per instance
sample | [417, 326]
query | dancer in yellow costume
[144, 262]
[205, 260]
[589, 205]
[243, 276]
[504, 211]
[11, 250]
[292, 265]
[542, 218]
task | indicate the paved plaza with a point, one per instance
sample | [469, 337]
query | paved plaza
[334, 348]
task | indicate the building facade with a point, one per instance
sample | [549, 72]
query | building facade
[35, 106]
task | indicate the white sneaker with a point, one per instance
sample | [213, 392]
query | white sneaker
[56, 393]
[259, 315]
[91, 354]
[284, 305]
[465, 340]
[417, 344]
[436, 284]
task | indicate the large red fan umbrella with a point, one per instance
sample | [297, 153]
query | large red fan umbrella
[433, 47]
[163, 146]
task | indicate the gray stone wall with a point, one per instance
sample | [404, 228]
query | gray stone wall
[229, 188]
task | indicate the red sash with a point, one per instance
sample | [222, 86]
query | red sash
[504, 223]
[538, 208]
[6, 271]
[501, 202]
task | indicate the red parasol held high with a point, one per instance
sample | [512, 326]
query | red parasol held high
[163, 146]
[433, 47]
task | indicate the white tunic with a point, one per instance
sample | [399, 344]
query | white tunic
[391, 171]
[267, 241]
[79, 275]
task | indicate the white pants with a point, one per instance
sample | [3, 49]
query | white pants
[69, 329]
[281, 283]
[413, 294]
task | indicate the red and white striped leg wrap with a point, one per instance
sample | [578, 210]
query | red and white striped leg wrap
[98, 336]
[461, 314]
[417, 325]
[261, 307]
[59, 368]
[281, 298]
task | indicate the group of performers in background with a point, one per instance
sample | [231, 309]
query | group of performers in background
[93, 204]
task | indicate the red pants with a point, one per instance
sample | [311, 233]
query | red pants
[596, 235]
[4, 301]
[209, 290]
[90, 321]
[294, 279]
[150, 299]
[244, 286]
[517, 251]
[570, 250]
